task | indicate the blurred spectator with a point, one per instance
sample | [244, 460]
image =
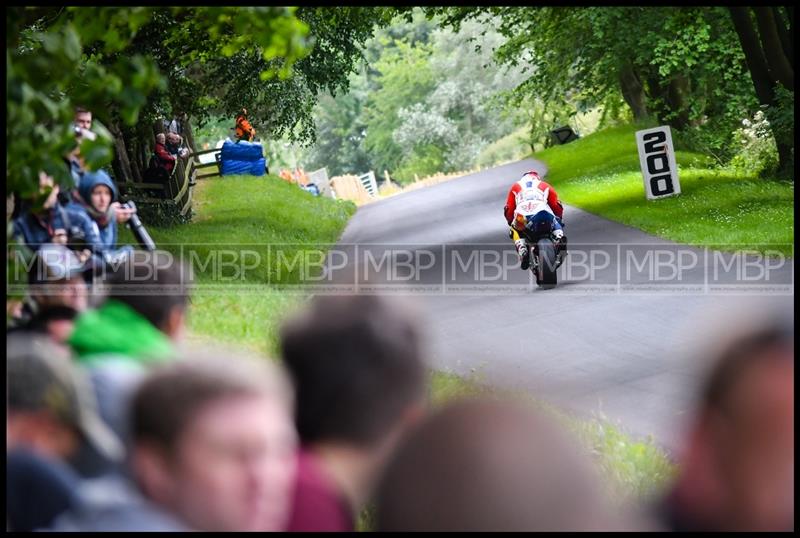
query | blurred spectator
[56, 322]
[41, 218]
[55, 279]
[487, 465]
[82, 234]
[83, 118]
[38, 489]
[212, 449]
[360, 382]
[244, 131]
[299, 176]
[142, 317]
[173, 145]
[97, 197]
[83, 129]
[174, 126]
[144, 311]
[51, 412]
[286, 175]
[163, 157]
[45, 220]
[737, 468]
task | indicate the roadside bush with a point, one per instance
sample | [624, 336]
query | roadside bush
[757, 152]
[509, 148]
[424, 161]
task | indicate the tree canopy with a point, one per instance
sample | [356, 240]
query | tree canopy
[428, 100]
[688, 67]
[132, 66]
[116, 61]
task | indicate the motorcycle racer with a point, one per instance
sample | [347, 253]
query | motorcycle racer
[531, 203]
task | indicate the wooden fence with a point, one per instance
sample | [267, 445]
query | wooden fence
[178, 188]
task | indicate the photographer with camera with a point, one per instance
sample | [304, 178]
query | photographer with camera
[97, 198]
[82, 126]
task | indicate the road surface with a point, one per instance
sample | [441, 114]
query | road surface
[615, 337]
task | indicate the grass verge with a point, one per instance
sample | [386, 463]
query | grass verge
[239, 300]
[717, 208]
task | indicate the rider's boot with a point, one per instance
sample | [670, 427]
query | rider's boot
[561, 246]
[524, 254]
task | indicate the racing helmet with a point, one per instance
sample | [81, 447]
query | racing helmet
[531, 175]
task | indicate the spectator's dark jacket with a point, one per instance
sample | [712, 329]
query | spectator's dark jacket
[76, 170]
[173, 149]
[38, 490]
[111, 503]
[38, 228]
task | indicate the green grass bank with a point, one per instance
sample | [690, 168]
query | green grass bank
[717, 208]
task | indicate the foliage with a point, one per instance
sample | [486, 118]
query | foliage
[284, 106]
[757, 153]
[405, 78]
[428, 101]
[511, 147]
[682, 66]
[47, 74]
[162, 213]
[782, 117]
[188, 42]
[425, 161]
[698, 43]
[462, 115]
[111, 60]
[341, 130]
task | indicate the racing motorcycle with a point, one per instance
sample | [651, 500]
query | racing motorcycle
[546, 254]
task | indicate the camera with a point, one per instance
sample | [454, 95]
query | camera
[80, 132]
[138, 229]
[76, 239]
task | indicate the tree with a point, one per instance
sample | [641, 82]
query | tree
[769, 54]
[340, 128]
[284, 107]
[126, 65]
[427, 101]
[211, 77]
[47, 74]
[463, 113]
[185, 42]
[681, 66]
[405, 78]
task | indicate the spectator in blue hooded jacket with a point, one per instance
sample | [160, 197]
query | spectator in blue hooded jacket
[97, 196]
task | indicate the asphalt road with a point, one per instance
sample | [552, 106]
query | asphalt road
[615, 336]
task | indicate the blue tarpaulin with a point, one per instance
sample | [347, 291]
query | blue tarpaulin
[243, 151]
[243, 158]
[247, 168]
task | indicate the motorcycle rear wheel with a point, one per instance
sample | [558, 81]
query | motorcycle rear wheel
[546, 264]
